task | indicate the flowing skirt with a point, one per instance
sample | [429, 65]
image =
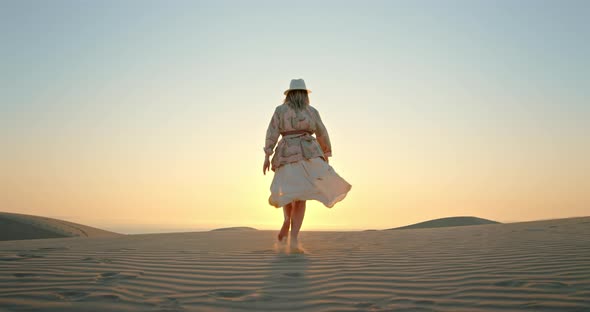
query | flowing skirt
[306, 180]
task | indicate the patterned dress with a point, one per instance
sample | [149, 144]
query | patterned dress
[301, 172]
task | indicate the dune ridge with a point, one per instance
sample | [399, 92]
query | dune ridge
[447, 222]
[14, 226]
[235, 228]
[532, 266]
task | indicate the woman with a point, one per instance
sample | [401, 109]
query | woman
[300, 161]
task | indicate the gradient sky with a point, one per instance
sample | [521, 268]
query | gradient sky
[151, 115]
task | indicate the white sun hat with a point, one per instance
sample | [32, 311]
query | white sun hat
[297, 84]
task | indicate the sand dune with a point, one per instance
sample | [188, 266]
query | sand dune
[15, 226]
[532, 266]
[236, 228]
[447, 222]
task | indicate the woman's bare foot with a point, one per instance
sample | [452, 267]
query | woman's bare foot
[284, 231]
[295, 247]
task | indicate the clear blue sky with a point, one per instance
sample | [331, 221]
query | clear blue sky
[153, 112]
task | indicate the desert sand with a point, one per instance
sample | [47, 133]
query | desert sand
[530, 266]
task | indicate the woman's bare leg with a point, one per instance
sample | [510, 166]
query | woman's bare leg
[287, 210]
[297, 219]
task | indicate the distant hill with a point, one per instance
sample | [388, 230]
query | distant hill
[447, 222]
[14, 226]
[236, 228]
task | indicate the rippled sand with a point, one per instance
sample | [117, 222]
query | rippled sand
[533, 266]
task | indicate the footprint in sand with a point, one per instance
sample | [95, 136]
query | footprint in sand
[121, 249]
[109, 297]
[26, 255]
[71, 295]
[51, 249]
[11, 258]
[229, 294]
[24, 275]
[550, 286]
[166, 304]
[411, 303]
[97, 260]
[293, 274]
[510, 283]
[536, 285]
[109, 277]
[108, 274]
[367, 306]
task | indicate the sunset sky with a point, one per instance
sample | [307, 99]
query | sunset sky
[143, 116]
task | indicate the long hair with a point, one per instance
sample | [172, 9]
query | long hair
[297, 99]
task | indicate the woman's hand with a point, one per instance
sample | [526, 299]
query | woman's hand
[266, 165]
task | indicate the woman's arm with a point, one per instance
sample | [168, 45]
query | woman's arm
[272, 136]
[322, 135]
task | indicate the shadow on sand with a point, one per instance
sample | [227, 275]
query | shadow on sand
[286, 285]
